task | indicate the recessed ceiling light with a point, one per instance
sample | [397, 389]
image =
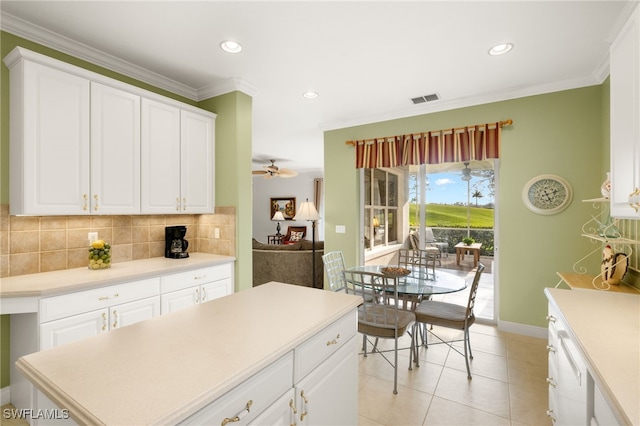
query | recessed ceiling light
[500, 49]
[310, 95]
[231, 46]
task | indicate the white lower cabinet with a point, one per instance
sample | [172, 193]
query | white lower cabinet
[316, 384]
[190, 288]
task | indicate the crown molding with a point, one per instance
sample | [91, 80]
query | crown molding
[487, 98]
[37, 34]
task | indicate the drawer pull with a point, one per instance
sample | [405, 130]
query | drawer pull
[551, 349]
[551, 382]
[293, 406]
[200, 277]
[115, 319]
[104, 321]
[239, 416]
[334, 341]
[306, 401]
[551, 318]
[197, 295]
[108, 297]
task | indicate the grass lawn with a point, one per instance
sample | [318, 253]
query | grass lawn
[442, 215]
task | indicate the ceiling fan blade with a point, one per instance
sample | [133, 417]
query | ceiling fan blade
[259, 172]
[269, 176]
[287, 173]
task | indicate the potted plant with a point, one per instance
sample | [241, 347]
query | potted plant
[468, 241]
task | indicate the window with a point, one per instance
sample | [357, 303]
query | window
[381, 208]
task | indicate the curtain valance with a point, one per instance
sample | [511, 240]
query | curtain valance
[477, 142]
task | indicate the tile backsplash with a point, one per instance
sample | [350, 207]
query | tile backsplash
[31, 244]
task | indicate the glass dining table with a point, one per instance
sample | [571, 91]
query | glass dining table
[421, 284]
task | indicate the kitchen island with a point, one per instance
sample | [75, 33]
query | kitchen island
[248, 353]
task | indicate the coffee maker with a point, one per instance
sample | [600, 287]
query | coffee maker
[175, 246]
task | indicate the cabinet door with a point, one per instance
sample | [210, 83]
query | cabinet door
[115, 151]
[625, 117]
[49, 142]
[180, 299]
[329, 394]
[160, 158]
[214, 290]
[197, 162]
[280, 413]
[71, 329]
[133, 312]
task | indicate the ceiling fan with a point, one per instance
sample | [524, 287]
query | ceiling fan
[272, 171]
[467, 173]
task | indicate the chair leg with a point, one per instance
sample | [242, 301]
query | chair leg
[466, 356]
[395, 367]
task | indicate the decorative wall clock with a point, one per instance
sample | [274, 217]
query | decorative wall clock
[547, 194]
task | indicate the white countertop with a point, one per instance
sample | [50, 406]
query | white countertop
[162, 370]
[606, 327]
[69, 280]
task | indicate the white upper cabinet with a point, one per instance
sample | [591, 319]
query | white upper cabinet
[625, 117]
[160, 161]
[177, 159]
[83, 143]
[49, 148]
[115, 151]
[197, 162]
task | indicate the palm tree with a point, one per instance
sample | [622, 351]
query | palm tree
[477, 194]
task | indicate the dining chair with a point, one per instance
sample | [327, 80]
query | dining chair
[381, 317]
[334, 266]
[450, 315]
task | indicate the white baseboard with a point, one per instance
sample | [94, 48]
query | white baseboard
[5, 395]
[526, 330]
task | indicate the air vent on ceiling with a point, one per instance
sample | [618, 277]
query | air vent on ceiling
[425, 98]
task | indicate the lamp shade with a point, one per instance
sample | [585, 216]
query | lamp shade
[278, 216]
[307, 211]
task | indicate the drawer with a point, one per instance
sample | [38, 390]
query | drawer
[65, 305]
[200, 276]
[314, 351]
[262, 389]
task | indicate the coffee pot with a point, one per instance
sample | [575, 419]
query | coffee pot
[175, 244]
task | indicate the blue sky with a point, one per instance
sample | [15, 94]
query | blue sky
[449, 188]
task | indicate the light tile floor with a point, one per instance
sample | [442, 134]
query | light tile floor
[508, 385]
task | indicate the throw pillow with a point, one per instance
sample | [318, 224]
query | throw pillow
[296, 236]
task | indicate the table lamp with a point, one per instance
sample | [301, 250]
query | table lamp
[279, 217]
[308, 212]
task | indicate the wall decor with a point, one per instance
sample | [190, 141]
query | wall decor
[286, 205]
[547, 194]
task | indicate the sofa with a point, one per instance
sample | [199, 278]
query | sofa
[287, 263]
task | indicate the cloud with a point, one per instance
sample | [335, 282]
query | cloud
[444, 181]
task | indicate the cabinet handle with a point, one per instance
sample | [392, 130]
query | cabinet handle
[104, 321]
[293, 407]
[197, 295]
[203, 295]
[86, 201]
[306, 401]
[177, 204]
[551, 318]
[550, 414]
[108, 297]
[184, 204]
[95, 197]
[238, 416]
[551, 382]
[551, 349]
[334, 341]
[115, 319]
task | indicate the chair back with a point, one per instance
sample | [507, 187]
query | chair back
[364, 284]
[334, 266]
[413, 259]
[474, 288]
[428, 235]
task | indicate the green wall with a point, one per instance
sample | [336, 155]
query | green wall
[559, 133]
[233, 159]
[233, 173]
